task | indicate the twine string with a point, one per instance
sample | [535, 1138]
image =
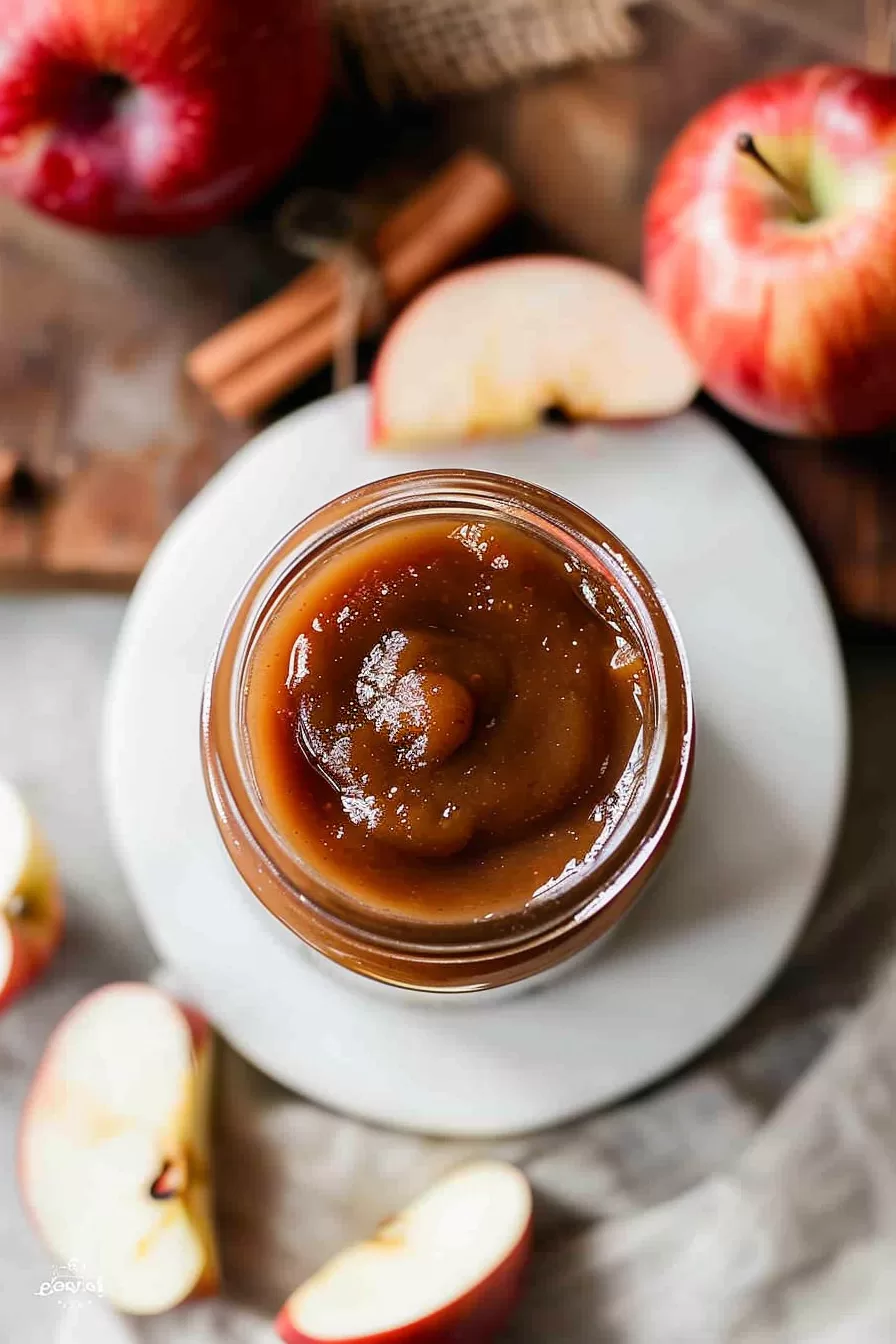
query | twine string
[330, 226]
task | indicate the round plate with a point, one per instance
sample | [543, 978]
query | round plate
[725, 907]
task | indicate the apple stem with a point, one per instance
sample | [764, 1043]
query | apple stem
[799, 199]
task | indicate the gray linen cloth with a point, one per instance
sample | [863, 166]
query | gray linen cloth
[796, 1243]
[751, 1199]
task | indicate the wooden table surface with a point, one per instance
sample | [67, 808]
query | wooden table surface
[109, 439]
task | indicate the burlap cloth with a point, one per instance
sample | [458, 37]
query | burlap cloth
[431, 47]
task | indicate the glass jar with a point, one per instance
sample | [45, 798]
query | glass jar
[450, 958]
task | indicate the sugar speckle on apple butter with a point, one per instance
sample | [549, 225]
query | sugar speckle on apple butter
[446, 718]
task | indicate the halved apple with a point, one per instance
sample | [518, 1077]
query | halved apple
[31, 911]
[114, 1156]
[447, 1270]
[491, 349]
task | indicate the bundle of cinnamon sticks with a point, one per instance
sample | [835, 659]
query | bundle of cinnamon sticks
[260, 356]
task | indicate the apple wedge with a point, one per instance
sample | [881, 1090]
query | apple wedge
[447, 1270]
[114, 1156]
[492, 349]
[31, 911]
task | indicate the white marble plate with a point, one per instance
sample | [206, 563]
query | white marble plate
[724, 910]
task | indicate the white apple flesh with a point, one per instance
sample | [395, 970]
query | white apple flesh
[491, 349]
[114, 1154]
[31, 910]
[447, 1270]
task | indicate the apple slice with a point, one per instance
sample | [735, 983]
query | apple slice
[447, 1270]
[114, 1157]
[491, 349]
[31, 911]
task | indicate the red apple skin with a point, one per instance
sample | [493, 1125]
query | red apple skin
[793, 326]
[35, 930]
[474, 1318]
[32, 951]
[219, 95]
[200, 1030]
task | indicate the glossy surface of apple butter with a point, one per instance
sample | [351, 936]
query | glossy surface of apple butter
[445, 717]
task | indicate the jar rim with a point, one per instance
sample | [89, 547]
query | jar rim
[284, 881]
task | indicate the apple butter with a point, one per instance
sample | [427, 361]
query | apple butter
[447, 732]
[446, 717]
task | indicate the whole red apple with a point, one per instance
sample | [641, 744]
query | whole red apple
[148, 116]
[770, 244]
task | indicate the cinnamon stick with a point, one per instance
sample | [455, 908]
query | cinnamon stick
[313, 293]
[254, 360]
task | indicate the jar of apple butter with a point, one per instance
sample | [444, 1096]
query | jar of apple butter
[447, 733]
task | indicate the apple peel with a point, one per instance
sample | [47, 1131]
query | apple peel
[114, 1147]
[491, 349]
[31, 907]
[449, 1267]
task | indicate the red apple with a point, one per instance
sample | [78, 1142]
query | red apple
[490, 349]
[31, 910]
[447, 1270]
[146, 116]
[114, 1147]
[770, 245]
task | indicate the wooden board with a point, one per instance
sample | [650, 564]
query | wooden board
[93, 403]
[107, 436]
[843, 495]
